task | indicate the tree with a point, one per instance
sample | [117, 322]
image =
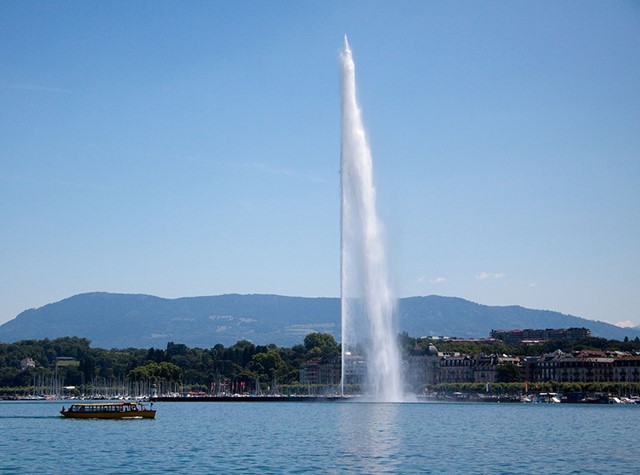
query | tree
[157, 356]
[156, 372]
[321, 345]
[508, 373]
[88, 367]
[406, 343]
[269, 366]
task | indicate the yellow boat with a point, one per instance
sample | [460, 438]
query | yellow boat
[109, 410]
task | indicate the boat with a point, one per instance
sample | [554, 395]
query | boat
[109, 410]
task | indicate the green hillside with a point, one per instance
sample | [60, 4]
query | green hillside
[144, 321]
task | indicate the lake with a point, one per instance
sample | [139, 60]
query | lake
[325, 437]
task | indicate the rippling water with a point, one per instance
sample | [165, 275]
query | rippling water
[334, 437]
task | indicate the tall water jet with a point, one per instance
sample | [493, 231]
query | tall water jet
[367, 304]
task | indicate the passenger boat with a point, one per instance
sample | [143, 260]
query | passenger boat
[109, 410]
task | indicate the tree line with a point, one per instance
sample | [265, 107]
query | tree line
[72, 362]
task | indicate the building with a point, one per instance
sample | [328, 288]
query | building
[317, 371]
[27, 363]
[431, 367]
[626, 369]
[511, 337]
[456, 368]
[422, 367]
[355, 369]
[578, 367]
[485, 369]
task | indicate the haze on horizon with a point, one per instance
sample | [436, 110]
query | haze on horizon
[193, 149]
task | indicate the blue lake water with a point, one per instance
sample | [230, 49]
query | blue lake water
[331, 437]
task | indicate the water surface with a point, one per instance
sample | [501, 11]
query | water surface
[336, 437]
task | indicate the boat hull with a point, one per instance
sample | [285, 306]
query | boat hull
[109, 415]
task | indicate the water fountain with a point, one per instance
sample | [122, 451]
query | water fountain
[367, 303]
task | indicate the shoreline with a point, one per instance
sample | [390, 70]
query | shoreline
[249, 398]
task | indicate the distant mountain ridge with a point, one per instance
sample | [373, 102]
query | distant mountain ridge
[145, 321]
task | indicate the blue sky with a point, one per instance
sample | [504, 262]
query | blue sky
[192, 148]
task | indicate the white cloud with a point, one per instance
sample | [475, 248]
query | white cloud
[489, 275]
[625, 324]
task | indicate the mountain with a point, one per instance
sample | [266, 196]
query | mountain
[144, 321]
[453, 316]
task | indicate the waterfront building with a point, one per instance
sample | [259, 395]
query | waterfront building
[355, 369]
[579, 367]
[319, 371]
[432, 367]
[456, 368]
[626, 369]
[529, 368]
[485, 369]
[423, 367]
[585, 367]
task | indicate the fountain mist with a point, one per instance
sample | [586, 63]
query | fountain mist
[367, 303]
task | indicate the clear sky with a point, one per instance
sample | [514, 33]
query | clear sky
[192, 148]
